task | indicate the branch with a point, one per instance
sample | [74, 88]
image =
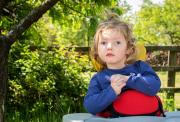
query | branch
[172, 36]
[31, 18]
[72, 8]
[2, 4]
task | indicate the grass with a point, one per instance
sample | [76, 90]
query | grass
[163, 77]
[39, 117]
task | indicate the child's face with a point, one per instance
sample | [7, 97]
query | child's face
[112, 48]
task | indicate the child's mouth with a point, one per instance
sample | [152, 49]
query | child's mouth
[109, 55]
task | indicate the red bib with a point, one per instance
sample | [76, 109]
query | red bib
[134, 103]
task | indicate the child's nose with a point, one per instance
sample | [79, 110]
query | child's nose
[109, 46]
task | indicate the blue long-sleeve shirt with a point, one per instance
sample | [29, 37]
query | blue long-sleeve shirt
[100, 94]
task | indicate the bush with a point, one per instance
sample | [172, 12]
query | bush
[43, 80]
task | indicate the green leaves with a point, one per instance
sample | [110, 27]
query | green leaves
[68, 22]
[45, 77]
[56, 79]
[159, 24]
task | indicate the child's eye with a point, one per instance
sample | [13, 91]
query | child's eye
[118, 42]
[103, 42]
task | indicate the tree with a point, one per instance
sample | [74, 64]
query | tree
[158, 24]
[13, 25]
[7, 40]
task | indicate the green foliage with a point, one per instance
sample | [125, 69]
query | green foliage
[14, 11]
[68, 22]
[43, 80]
[55, 80]
[78, 20]
[38, 117]
[159, 24]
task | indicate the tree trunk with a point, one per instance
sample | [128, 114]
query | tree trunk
[9, 39]
[4, 50]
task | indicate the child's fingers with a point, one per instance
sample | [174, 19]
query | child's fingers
[118, 87]
[122, 85]
[119, 78]
[116, 77]
[113, 78]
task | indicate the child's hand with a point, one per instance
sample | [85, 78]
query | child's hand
[118, 81]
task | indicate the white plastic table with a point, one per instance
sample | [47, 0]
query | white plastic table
[86, 117]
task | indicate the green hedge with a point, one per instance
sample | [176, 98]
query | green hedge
[43, 80]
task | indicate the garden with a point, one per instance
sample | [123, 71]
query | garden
[45, 66]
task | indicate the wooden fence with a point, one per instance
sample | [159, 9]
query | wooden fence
[171, 68]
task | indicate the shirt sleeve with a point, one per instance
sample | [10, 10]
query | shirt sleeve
[146, 80]
[97, 99]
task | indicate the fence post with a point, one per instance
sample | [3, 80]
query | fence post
[171, 77]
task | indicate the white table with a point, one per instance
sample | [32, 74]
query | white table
[86, 117]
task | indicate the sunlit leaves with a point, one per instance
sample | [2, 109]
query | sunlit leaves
[45, 76]
[78, 19]
[70, 22]
[159, 24]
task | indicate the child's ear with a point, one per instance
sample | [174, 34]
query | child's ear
[129, 50]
